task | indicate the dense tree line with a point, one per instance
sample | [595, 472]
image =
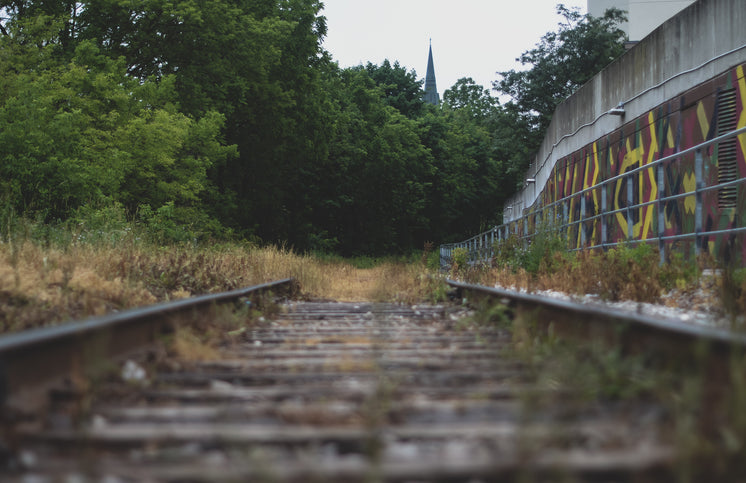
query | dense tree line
[227, 117]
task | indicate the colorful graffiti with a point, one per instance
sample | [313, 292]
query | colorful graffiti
[589, 191]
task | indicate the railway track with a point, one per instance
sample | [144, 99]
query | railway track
[342, 392]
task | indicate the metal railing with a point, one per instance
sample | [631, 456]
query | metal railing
[481, 248]
[536, 167]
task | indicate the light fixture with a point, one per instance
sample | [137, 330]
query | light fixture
[530, 180]
[618, 110]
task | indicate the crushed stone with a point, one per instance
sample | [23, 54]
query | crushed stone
[699, 306]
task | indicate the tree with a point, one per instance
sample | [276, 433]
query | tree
[74, 132]
[471, 99]
[467, 141]
[371, 190]
[254, 61]
[560, 63]
[187, 112]
[400, 88]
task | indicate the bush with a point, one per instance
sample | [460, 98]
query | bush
[509, 253]
[537, 255]
[170, 224]
[678, 272]
[100, 223]
[630, 273]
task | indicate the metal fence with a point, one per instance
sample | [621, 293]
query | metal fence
[558, 214]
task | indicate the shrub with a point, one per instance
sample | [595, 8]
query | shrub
[532, 256]
[104, 222]
[509, 253]
[678, 272]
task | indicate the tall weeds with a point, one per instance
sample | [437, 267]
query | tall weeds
[70, 275]
[628, 272]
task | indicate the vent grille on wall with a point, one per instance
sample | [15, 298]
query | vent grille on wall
[727, 162]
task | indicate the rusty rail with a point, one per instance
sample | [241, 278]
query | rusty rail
[631, 332]
[34, 361]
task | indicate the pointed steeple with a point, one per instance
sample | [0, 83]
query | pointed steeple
[431, 91]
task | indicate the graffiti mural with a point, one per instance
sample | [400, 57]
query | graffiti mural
[592, 191]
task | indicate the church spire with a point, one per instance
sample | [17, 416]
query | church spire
[431, 91]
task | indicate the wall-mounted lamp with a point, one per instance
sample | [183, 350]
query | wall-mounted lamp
[618, 110]
[530, 180]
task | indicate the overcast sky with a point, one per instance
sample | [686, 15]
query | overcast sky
[470, 38]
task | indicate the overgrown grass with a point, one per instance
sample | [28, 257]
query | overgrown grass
[628, 272]
[66, 275]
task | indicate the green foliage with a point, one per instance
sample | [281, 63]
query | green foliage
[678, 272]
[464, 184]
[509, 253]
[169, 157]
[635, 273]
[401, 89]
[82, 133]
[370, 191]
[538, 254]
[207, 119]
[170, 224]
[471, 99]
[561, 62]
[104, 222]
[432, 261]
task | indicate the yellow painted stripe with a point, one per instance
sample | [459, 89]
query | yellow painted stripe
[704, 123]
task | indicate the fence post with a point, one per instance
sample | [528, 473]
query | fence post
[580, 222]
[604, 190]
[699, 184]
[492, 242]
[630, 202]
[566, 220]
[660, 180]
[443, 256]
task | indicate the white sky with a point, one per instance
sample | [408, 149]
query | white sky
[470, 38]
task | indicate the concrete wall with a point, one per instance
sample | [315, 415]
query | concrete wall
[702, 41]
[644, 15]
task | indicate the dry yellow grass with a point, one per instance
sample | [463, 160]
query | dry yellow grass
[41, 286]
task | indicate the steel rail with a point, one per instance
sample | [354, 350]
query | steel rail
[34, 361]
[632, 330]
